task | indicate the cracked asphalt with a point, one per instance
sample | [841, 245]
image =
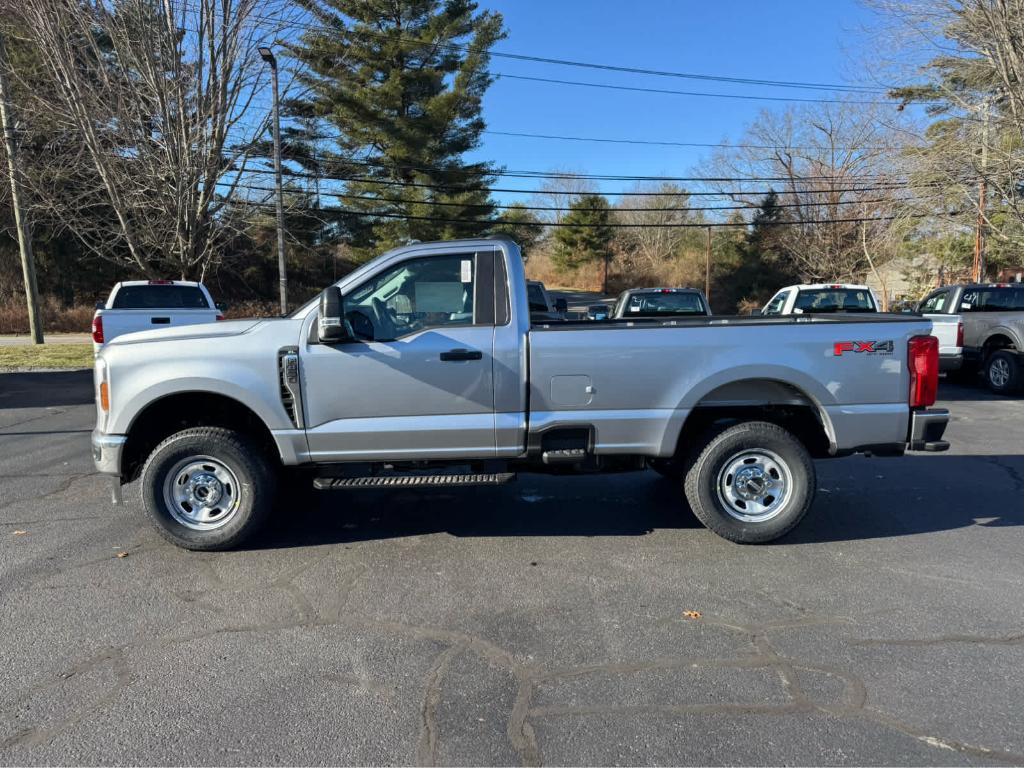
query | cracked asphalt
[536, 623]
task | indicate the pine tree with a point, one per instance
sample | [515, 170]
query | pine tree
[401, 82]
[765, 266]
[519, 223]
[586, 234]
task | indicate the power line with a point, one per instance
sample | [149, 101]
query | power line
[615, 225]
[666, 91]
[456, 189]
[650, 142]
[556, 209]
[799, 84]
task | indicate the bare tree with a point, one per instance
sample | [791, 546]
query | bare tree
[165, 98]
[649, 241]
[964, 60]
[560, 190]
[836, 171]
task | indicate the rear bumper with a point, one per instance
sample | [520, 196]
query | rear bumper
[106, 453]
[926, 429]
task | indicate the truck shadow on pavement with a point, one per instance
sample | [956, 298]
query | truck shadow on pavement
[859, 499]
[45, 389]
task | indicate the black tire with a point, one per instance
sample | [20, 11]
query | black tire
[782, 454]
[1002, 372]
[245, 487]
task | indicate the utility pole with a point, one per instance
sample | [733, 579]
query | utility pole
[28, 262]
[707, 267]
[978, 271]
[268, 56]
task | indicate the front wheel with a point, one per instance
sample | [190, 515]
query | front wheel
[207, 488]
[1002, 372]
[750, 483]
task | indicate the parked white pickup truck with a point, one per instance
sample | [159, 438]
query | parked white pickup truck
[141, 305]
[828, 298]
[422, 368]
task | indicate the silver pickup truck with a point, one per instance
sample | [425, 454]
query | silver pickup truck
[422, 369]
[992, 330]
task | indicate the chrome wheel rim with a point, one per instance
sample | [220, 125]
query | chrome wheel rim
[202, 493]
[754, 485]
[999, 372]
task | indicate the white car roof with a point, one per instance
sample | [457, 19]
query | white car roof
[825, 286]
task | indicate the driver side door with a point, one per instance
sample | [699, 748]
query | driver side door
[417, 382]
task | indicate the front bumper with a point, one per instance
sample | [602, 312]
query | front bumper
[106, 452]
[926, 429]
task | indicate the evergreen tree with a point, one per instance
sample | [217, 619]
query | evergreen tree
[402, 81]
[586, 236]
[521, 225]
[765, 266]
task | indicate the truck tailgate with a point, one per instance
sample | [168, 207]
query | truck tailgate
[117, 322]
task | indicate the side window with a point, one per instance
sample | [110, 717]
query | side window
[776, 305]
[436, 291]
[970, 301]
[935, 303]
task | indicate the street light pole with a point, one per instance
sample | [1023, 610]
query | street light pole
[268, 56]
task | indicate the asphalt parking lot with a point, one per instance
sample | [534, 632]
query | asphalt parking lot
[537, 623]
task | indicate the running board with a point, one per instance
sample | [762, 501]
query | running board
[412, 481]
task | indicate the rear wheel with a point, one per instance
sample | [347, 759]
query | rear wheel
[750, 483]
[207, 488]
[1002, 372]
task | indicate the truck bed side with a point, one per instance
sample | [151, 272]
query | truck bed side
[635, 386]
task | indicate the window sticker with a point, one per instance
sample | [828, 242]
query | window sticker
[467, 270]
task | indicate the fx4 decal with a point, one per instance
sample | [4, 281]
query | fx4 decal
[870, 347]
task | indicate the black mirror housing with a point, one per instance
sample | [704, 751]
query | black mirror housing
[331, 325]
[561, 305]
[756, 313]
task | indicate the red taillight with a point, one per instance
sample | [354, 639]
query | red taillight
[161, 282]
[219, 318]
[960, 333]
[923, 364]
[97, 329]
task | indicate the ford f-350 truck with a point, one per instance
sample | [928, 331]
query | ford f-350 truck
[422, 369]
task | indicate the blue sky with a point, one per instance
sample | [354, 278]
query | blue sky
[808, 40]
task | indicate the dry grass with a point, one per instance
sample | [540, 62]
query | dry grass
[56, 318]
[685, 270]
[31, 356]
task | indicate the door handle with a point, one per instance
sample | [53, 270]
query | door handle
[461, 354]
[160, 320]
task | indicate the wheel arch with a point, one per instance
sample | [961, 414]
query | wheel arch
[174, 412]
[775, 399]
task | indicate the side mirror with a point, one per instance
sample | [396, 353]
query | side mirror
[597, 312]
[331, 325]
[222, 306]
[101, 305]
[756, 313]
[561, 305]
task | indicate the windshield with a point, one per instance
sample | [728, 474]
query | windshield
[668, 303]
[160, 297]
[835, 300]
